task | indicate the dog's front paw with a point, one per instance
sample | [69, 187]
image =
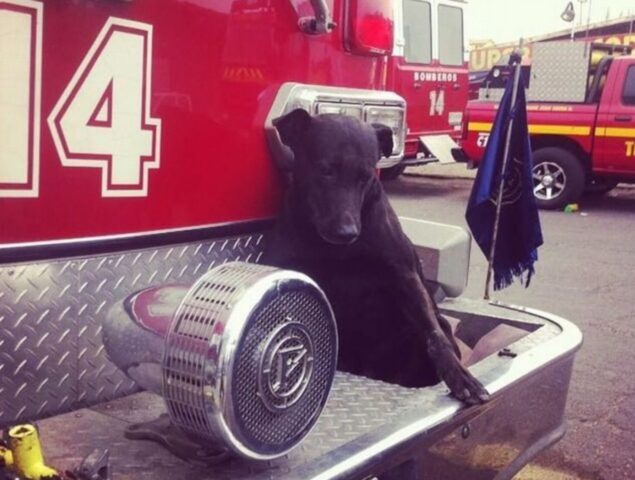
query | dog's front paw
[459, 380]
[464, 386]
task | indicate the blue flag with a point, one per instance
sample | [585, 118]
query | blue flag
[519, 233]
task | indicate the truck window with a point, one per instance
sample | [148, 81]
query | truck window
[628, 95]
[417, 31]
[450, 35]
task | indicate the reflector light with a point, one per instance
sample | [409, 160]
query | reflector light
[391, 117]
[341, 109]
[370, 27]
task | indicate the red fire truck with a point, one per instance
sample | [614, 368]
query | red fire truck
[428, 69]
[139, 153]
[581, 113]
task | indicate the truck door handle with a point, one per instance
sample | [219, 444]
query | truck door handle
[623, 118]
[417, 85]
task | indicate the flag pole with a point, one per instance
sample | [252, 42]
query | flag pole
[499, 199]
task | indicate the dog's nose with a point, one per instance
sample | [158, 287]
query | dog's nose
[347, 233]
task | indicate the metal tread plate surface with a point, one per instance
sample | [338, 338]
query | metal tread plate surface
[356, 406]
[52, 357]
[559, 72]
[359, 413]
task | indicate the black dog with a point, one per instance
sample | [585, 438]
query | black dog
[338, 227]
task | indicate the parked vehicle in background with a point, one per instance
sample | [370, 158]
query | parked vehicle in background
[581, 113]
[427, 68]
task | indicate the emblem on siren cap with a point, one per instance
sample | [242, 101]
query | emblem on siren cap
[286, 366]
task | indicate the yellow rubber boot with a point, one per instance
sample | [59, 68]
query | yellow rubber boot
[28, 461]
[6, 457]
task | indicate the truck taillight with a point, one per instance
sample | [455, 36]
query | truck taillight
[370, 27]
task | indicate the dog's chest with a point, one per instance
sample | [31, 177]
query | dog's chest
[359, 289]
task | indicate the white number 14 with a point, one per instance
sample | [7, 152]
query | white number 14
[20, 70]
[102, 119]
[437, 102]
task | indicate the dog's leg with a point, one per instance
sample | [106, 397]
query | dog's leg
[389, 241]
[447, 329]
[424, 316]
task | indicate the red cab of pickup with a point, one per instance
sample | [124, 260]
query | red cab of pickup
[582, 126]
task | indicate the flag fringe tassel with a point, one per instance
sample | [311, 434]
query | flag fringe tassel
[504, 276]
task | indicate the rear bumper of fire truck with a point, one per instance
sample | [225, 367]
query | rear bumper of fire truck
[54, 367]
[373, 429]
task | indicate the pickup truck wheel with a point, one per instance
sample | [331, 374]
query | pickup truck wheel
[391, 173]
[558, 177]
[599, 186]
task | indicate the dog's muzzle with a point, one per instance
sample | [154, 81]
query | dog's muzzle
[341, 231]
[248, 355]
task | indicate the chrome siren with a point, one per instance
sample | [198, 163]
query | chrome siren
[249, 359]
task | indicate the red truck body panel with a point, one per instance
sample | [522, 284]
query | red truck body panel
[211, 70]
[421, 85]
[615, 129]
[427, 68]
[572, 120]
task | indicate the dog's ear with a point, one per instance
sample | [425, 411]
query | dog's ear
[384, 138]
[292, 125]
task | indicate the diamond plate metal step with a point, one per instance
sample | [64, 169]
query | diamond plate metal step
[52, 358]
[356, 406]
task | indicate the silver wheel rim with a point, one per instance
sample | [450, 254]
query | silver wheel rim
[549, 180]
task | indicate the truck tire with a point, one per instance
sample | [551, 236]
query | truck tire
[558, 177]
[391, 173]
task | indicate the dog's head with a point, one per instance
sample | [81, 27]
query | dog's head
[333, 169]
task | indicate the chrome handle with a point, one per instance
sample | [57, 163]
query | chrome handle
[321, 23]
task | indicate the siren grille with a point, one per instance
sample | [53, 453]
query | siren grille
[250, 358]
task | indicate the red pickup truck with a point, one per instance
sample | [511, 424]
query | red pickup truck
[581, 120]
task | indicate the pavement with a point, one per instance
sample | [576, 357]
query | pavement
[585, 274]
[448, 170]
